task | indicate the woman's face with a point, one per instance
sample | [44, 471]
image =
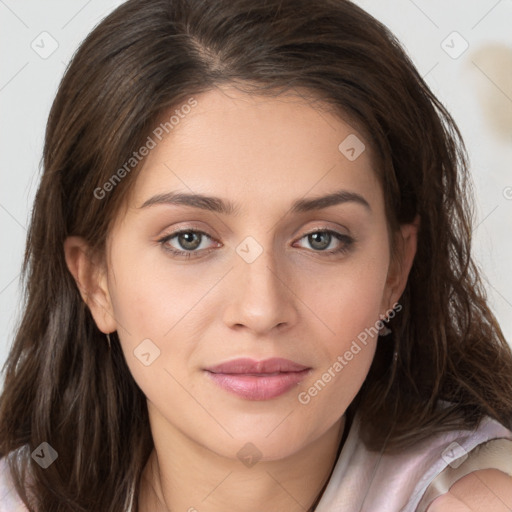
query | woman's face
[247, 279]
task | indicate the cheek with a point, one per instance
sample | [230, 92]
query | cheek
[154, 299]
[142, 307]
[350, 304]
[149, 292]
[348, 299]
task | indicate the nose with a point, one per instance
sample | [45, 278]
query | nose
[260, 295]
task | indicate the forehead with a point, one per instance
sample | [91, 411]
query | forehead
[253, 148]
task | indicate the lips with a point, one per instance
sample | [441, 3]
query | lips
[258, 380]
[249, 366]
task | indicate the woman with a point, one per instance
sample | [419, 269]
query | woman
[249, 279]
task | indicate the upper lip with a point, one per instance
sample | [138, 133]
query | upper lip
[251, 366]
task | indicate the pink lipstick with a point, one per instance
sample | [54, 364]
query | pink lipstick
[258, 380]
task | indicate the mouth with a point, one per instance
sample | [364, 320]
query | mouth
[258, 380]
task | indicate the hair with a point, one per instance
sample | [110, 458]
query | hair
[63, 386]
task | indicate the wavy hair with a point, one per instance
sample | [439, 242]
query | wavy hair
[147, 57]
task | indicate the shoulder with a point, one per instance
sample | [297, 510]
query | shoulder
[9, 498]
[412, 479]
[479, 491]
[478, 480]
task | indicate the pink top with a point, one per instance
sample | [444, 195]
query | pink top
[364, 481]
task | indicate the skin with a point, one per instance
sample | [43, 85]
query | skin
[293, 301]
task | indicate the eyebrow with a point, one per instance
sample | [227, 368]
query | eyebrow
[218, 205]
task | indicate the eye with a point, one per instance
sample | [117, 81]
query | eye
[189, 240]
[321, 239]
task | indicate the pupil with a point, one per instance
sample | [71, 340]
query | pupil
[316, 240]
[187, 240]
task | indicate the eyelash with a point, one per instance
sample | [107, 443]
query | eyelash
[347, 243]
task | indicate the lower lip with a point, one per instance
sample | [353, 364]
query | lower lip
[264, 387]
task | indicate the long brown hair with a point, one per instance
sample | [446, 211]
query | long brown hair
[148, 57]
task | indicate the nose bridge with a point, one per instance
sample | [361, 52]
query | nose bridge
[259, 269]
[261, 298]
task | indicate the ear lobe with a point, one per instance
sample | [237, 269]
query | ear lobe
[90, 277]
[407, 242]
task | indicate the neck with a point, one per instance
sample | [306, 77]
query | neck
[183, 476]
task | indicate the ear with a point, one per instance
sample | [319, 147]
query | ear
[399, 268]
[91, 278]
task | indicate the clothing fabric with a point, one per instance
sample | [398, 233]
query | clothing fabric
[9, 499]
[364, 481]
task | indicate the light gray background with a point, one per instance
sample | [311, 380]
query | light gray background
[476, 86]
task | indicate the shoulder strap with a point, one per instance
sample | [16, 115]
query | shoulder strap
[493, 454]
